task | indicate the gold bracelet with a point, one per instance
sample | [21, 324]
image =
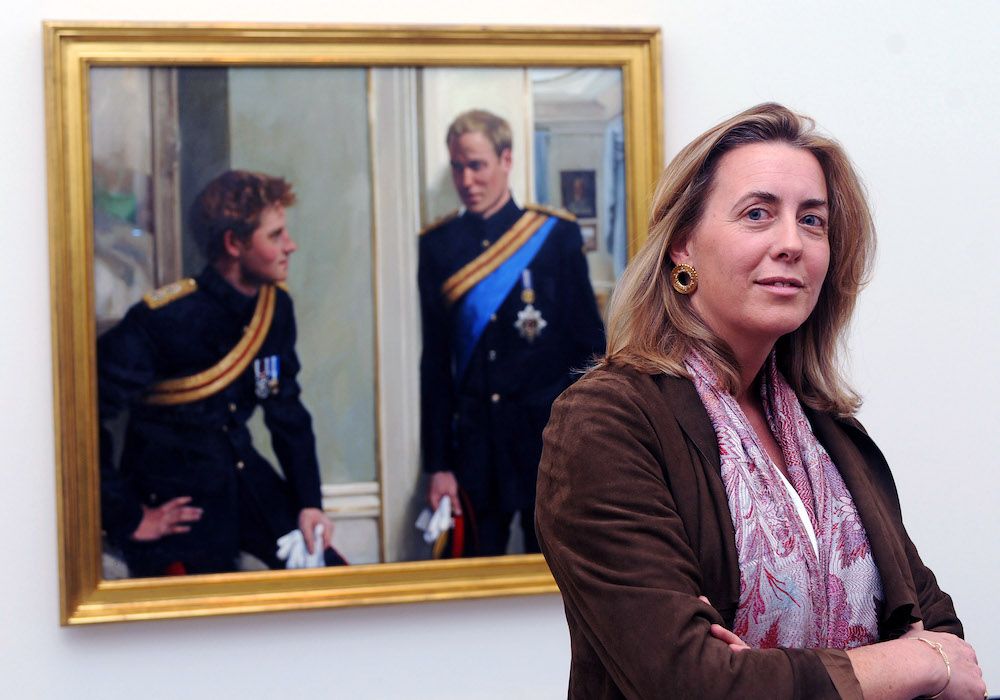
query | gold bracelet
[947, 664]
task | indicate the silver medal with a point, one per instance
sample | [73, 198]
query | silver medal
[529, 323]
[261, 385]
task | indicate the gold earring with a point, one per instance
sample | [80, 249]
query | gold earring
[684, 278]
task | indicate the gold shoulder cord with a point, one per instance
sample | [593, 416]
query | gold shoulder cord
[551, 211]
[170, 292]
[180, 390]
[493, 257]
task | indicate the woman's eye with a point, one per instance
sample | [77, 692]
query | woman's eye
[756, 214]
[812, 220]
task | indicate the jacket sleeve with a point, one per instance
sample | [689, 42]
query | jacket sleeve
[437, 390]
[126, 365]
[290, 424]
[936, 607]
[618, 549]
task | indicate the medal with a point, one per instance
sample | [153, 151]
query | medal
[265, 376]
[529, 323]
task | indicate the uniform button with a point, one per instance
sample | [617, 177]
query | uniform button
[225, 428]
[495, 398]
[240, 465]
[232, 408]
[493, 318]
[486, 243]
[492, 354]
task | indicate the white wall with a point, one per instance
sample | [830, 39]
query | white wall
[909, 87]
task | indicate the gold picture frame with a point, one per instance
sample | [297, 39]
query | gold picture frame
[71, 50]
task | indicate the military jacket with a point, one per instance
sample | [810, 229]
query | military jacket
[486, 425]
[201, 449]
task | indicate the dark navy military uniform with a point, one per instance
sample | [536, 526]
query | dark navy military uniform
[486, 426]
[202, 449]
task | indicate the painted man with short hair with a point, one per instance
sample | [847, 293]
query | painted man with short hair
[509, 316]
[188, 366]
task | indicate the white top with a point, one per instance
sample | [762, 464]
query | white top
[800, 508]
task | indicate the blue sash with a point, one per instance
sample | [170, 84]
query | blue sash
[484, 299]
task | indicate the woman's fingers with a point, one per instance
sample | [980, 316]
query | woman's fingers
[722, 634]
[730, 638]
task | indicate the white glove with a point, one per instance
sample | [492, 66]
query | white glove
[434, 524]
[292, 549]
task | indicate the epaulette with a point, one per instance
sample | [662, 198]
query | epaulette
[551, 211]
[170, 292]
[440, 221]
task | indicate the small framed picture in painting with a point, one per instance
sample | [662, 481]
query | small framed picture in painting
[578, 192]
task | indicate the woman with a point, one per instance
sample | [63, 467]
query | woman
[718, 523]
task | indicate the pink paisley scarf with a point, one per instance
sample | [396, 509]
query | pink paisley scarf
[798, 588]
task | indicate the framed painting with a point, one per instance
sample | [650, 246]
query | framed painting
[141, 117]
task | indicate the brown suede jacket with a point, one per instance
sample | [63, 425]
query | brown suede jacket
[634, 522]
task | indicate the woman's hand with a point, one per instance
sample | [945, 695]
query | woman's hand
[309, 518]
[167, 519]
[966, 679]
[730, 638]
[914, 661]
[906, 668]
[722, 634]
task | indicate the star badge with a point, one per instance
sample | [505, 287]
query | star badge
[530, 323]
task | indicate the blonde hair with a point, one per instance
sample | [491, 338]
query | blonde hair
[494, 128]
[652, 328]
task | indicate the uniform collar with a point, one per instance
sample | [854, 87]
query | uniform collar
[216, 285]
[496, 225]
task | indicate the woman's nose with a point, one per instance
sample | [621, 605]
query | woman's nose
[788, 238]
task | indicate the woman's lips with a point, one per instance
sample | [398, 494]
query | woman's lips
[785, 286]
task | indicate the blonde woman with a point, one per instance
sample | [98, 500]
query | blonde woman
[719, 524]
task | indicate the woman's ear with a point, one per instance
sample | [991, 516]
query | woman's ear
[681, 251]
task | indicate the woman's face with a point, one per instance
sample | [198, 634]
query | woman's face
[761, 247]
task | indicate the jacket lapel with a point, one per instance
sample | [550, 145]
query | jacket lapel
[692, 457]
[686, 407]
